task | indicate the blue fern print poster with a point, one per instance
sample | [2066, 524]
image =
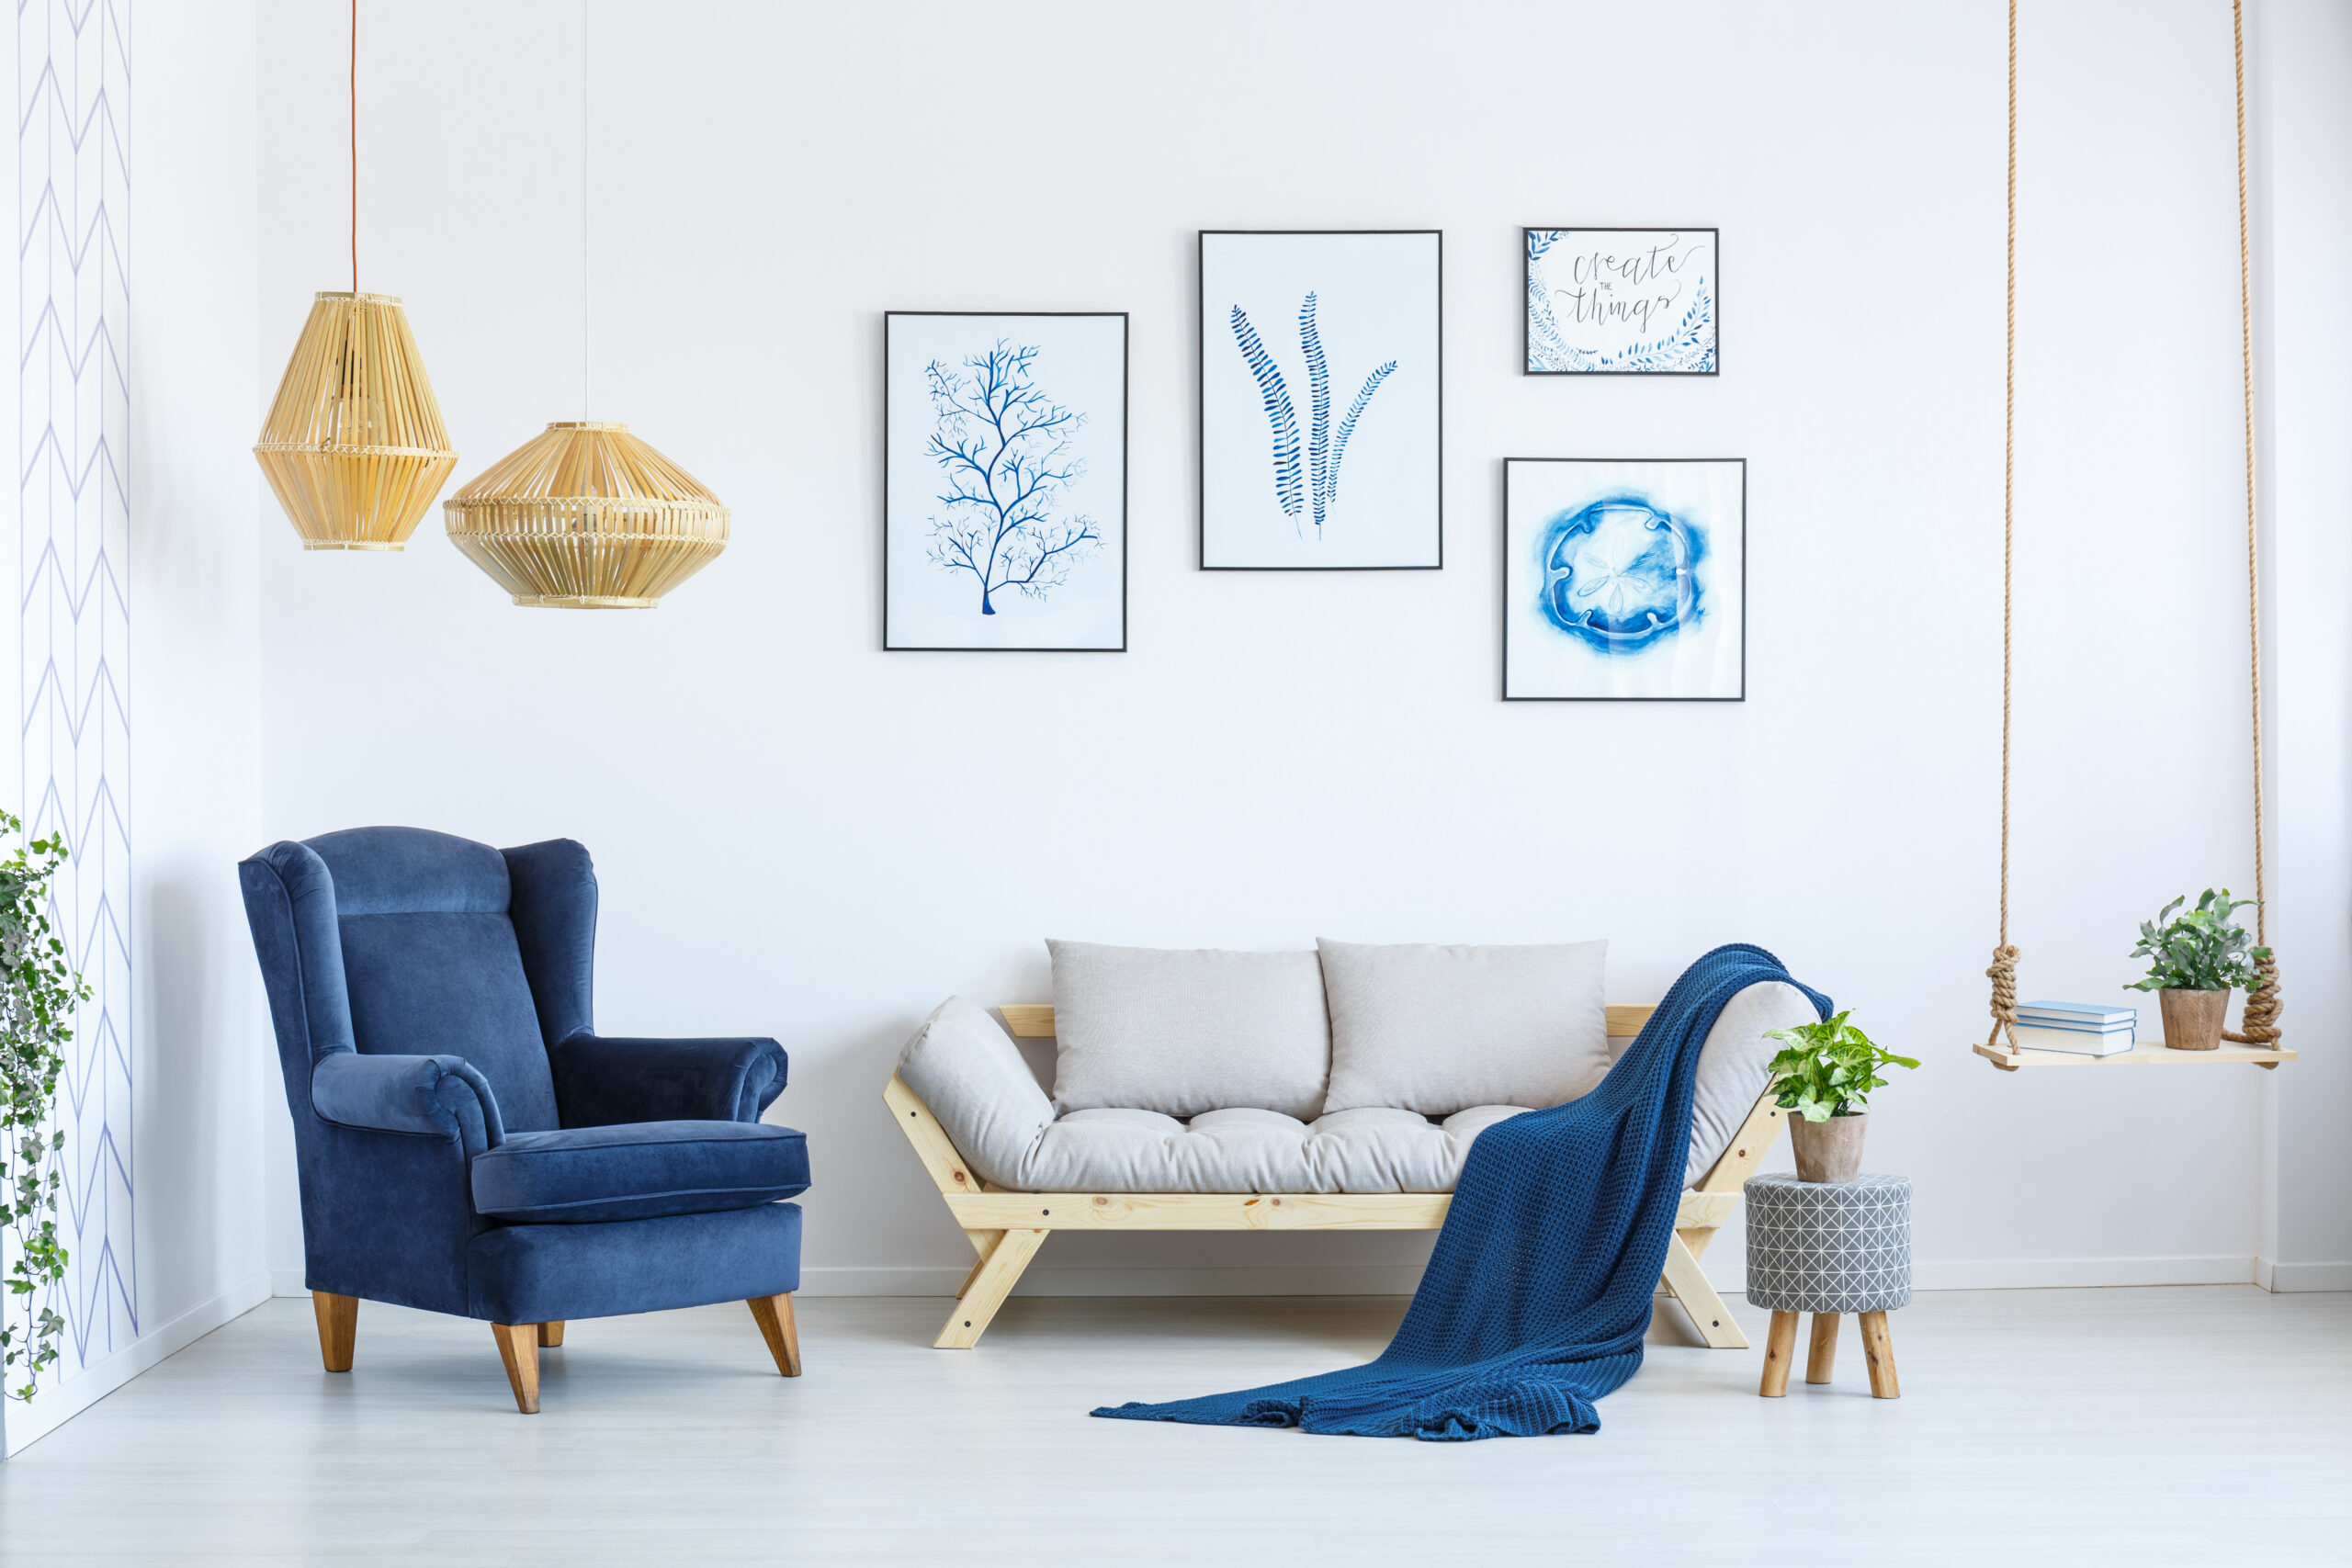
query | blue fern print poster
[1320, 369]
[1625, 579]
[1005, 469]
[1622, 302]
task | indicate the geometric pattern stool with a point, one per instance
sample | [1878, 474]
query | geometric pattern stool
[1828, 1247]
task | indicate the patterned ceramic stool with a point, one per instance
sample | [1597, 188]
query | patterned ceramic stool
[1828, 1247]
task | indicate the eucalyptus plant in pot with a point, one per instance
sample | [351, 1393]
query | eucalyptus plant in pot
[2194, 961]
[1826, 1073]
[38, 993]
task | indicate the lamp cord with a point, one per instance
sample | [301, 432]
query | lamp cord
[586, 371]
[355, 146]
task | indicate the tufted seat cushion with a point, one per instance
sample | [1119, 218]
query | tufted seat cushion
[638, 1170]
[967, 1069]
[1258, 1151]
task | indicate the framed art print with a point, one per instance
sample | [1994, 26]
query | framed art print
[1321, 403]
[1625, 579]
[1622, 302]
[1004, 481]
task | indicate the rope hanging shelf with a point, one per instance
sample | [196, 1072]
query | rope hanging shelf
[2257, 1040]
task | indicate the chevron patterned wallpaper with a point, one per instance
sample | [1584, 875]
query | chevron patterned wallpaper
[72, 198]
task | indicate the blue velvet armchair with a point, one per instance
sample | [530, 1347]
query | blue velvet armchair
[468, 1143]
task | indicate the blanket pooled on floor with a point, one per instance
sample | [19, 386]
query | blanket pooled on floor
[1538, 1293]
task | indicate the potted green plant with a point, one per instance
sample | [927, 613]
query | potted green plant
[1826, 1073]
[38, 993]
[2194, 961]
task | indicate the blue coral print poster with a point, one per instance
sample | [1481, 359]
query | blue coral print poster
[1625, 579]
[1622, 302]
[1319, 399]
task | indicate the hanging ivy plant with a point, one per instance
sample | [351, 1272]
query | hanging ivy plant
[39, 991]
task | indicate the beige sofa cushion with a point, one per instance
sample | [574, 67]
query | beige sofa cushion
[1438, 1029]
[963, 1064]
[1186, 1031]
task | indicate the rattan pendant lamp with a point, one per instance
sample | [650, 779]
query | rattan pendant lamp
[354, 445]
[584, 516]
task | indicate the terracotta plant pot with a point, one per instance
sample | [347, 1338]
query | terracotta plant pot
[2193, 1018]
[1831, 1150]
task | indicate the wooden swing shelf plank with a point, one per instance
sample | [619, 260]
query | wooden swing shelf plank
[2146, 1053]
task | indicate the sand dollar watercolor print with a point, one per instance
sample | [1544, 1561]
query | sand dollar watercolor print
[1625, 579]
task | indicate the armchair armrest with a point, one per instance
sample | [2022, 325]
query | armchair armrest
[439, 1096]
[602, 1082]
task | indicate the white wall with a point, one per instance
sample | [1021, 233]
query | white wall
[199, 1032]
[1288, 755]
[2306, 69]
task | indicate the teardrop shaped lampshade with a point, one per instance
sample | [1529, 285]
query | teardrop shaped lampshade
[354, 445]
[587, 518]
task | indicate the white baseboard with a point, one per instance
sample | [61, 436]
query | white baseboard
[1399, 1279]
[53, 1406]
[2275, 1276]
[1374, 1279]
[2061, 1273]
[1985, 1274]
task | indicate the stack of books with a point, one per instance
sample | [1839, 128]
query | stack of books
[2078, 1027]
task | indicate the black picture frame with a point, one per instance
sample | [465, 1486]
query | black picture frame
[1200, 411]
[1502, 573]
[1527, 265]
[1126, 377]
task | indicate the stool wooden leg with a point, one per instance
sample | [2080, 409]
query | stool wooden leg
[1821, 1355]
[1779, 1349]
[1878, 1349]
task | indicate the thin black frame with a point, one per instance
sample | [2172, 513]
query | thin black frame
[1526, 337]
[1502, 564]
[1201, 399]
[1127, 399]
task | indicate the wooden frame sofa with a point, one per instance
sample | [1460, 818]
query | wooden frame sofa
[1006, 1228]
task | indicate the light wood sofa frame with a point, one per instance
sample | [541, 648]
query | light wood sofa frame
[1007, 1228]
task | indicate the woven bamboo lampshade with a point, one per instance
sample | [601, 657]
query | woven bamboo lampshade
[354, 445]
[586, 516]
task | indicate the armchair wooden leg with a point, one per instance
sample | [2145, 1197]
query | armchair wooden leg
[338, 1326]
[518, 1347]
[774, 1314]
[551, 1335]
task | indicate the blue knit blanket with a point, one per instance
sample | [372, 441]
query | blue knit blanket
[1538, 1293]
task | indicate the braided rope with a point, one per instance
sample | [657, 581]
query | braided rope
[2259, 1025]
[2004, 972]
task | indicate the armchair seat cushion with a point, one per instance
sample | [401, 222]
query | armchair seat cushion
[638, 1171]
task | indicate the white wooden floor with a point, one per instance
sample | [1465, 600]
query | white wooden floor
[2204, 1426]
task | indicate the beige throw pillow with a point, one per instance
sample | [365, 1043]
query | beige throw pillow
[1438, 1029]
[1184, 1031]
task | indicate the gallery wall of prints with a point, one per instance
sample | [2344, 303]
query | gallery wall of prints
[72, 209]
